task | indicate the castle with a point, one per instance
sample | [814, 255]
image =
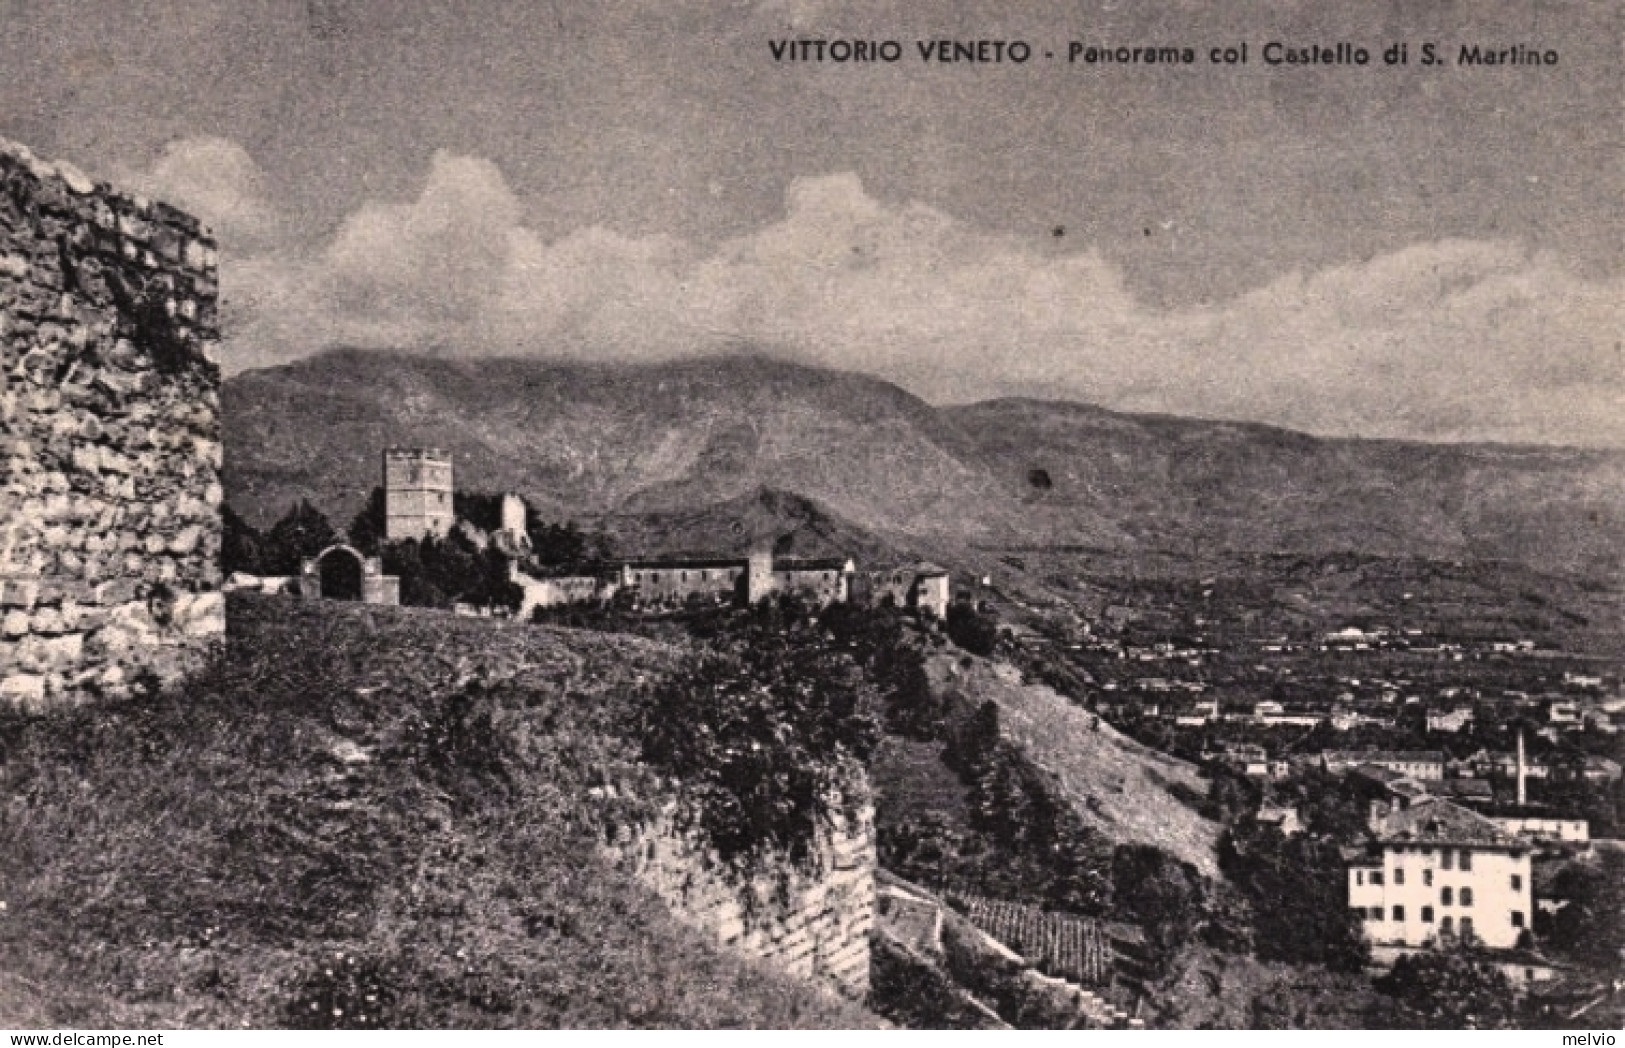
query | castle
[420, 502]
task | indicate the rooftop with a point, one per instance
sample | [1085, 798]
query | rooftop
[1433, 820]
[1384, 756]
[810, 563]
[686, 562]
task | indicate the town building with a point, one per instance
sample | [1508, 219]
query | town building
[1500, 764]
[1426, 765]
[1471, 792]
[1564, 713]
[417, 494]
[1434, 872]
[1601, 769]
[1544, 828]
[1450, 721]
[1284, 818]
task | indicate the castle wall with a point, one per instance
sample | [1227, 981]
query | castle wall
[822, 585]
[910, 588]
[675, 583]
[822, 930]
[110, 433]
[565, 589]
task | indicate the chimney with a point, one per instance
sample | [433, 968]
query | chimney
[1522, 796]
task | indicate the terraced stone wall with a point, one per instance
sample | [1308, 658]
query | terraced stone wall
[816, 928]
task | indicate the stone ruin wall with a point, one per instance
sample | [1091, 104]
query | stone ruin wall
[110, 435]
[820, 933]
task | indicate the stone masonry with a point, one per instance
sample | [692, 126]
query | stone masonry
[818, 930]
[109, 435]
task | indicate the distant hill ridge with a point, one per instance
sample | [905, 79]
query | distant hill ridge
[697, 440]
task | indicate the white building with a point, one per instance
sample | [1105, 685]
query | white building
[1435, 871]
[1452, 721]
[1425, 765]
[1545, 828]
[1564, 712]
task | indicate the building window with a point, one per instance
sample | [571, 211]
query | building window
[1466, 859]
[1466, 896]
[1444, 896]
[1399, 875]
[1517, 918]
[1376, 877]
[1517, 883]
[1444, 925]
[1427, 915]
[1466, 927]
[1427, 878]
[1447, 858]
[1359, 877]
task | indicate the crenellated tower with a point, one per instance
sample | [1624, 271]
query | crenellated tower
[417, 493]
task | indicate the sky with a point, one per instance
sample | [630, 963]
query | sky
[1378, 251]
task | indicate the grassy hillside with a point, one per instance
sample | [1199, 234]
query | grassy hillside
[1129, 793]
[668, 440]
[358, 817]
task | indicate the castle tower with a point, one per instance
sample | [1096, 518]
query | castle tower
[513, 518]
[758, 575]
[417, 493]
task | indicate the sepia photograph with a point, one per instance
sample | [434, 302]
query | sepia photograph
[811, 514]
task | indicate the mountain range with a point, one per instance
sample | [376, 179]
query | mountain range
[729, 451]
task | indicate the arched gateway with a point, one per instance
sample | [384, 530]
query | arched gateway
[340, 572]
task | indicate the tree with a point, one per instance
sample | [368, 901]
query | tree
[301, 533]
[975, 631]
[368, 529]
[438, 572]
[1448, 990]
[240, 544]
[1157, 891]
[1295, 886]
[763, 735]
[876, 638]
[554, 543]
[1591, 927]
[480, 509]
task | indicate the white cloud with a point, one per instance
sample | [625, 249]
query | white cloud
[216, 180]
[1448, 340]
